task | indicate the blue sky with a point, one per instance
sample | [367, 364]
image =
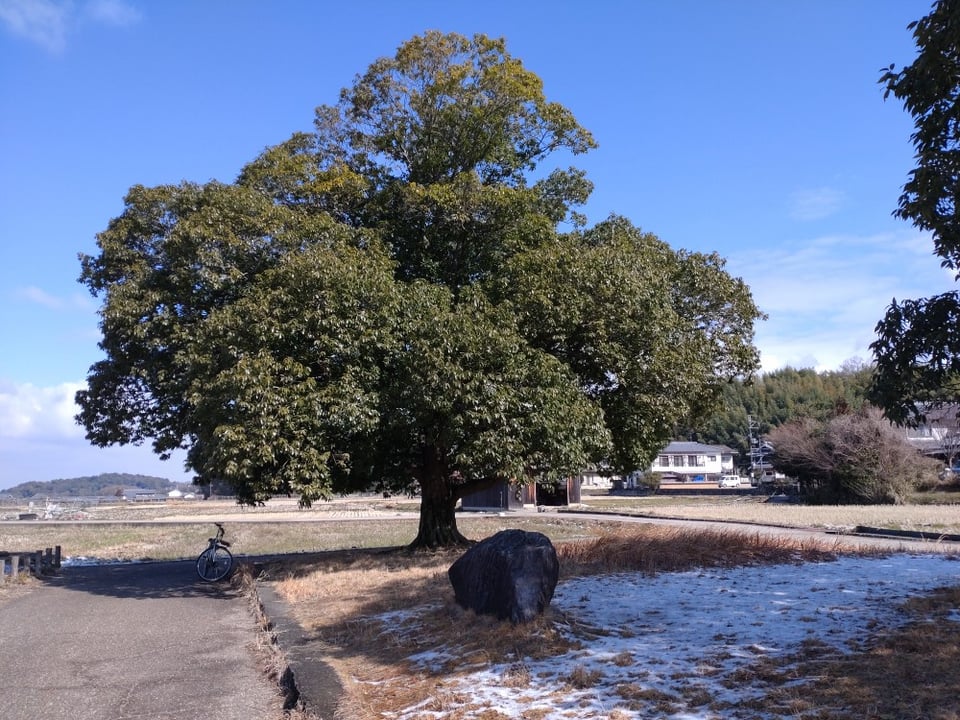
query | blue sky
[749, 127]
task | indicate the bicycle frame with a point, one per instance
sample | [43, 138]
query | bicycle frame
[218, 541]
[208, 567]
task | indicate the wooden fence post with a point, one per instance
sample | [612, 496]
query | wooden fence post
[39, 562]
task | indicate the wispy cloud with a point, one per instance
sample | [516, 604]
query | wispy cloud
[48, 23]
[815, 203]
[43, 22]
[38, 296]
[113, 12]
[825, 297]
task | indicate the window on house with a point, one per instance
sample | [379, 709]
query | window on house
[696, 461]
[663, 461]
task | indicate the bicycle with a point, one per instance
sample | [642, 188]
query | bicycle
[216, 562]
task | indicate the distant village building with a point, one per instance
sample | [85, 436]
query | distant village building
[511, 496]
[939, 434]
[684, 461]
[137, 494]
[679, 461]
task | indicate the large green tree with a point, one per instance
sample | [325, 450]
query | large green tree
[390, 300]
[917, 350]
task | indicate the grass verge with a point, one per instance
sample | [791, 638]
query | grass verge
[355, 605]
[185, 539]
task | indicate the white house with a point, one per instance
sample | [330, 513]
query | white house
[693, 461]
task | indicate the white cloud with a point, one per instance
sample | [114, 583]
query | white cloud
[27, 411]
[39, 440]
[43, 22]
[825, 297]
[815, 203]
[48, 22]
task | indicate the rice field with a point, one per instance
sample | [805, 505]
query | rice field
[167, 531]
[940, 518]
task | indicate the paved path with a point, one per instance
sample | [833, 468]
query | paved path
[131, 642]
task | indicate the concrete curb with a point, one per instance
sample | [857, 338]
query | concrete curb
[905, 534]
[310, 682]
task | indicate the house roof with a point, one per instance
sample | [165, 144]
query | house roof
[942, 416]
[683, 447]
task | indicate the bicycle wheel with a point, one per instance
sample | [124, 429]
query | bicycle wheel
[214, 564]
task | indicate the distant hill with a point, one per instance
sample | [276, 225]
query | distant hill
[105, 484]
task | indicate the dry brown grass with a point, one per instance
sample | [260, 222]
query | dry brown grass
[372, 610]
[162, 538]
[179, 530]
[944, 517]
[652, 550]
[14, 588]
[273, 662]
[907, 673]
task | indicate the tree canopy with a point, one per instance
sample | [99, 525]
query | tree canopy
[406, 296]
[917, 350]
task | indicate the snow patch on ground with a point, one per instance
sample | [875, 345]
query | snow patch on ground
[83, 561]
[677, 645]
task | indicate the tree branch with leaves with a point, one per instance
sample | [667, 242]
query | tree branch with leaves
[917, 350]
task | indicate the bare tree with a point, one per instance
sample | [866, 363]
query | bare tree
[950, 444]
[855, 457]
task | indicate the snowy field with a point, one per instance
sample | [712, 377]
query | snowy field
[680, 645]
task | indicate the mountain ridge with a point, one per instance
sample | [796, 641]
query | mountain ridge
[104, 484]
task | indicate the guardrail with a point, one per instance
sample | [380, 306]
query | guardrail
[40, 562]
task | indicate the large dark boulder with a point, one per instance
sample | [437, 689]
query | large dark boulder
[511, 575]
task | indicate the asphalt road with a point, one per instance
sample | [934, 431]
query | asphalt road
[131, 642]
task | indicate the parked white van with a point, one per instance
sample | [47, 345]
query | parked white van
[729, 481]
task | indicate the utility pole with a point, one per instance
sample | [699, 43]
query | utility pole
[756, 453]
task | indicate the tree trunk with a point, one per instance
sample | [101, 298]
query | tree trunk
[438, 504]
[438, 525]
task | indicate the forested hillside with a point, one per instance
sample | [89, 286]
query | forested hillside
[774, 398]
[104, 484]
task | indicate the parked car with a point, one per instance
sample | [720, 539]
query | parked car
[729, 481]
